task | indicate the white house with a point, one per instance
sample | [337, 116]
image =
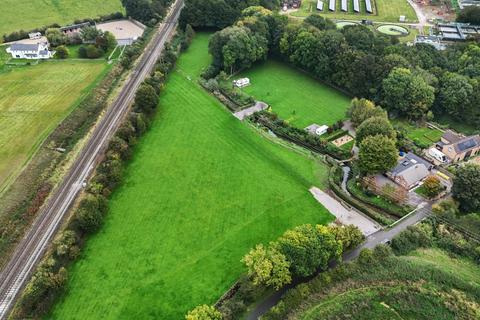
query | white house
[30, 51]
[316, 129]
[240, 83]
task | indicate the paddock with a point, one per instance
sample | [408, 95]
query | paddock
[125, 31]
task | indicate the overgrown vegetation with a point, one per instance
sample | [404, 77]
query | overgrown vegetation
[425, 276]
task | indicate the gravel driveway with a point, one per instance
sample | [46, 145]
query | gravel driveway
[345, 215]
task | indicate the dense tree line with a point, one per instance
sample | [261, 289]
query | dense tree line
[146, 11]
[415, 82]
[219, 13]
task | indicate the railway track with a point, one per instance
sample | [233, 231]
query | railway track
[31, 248]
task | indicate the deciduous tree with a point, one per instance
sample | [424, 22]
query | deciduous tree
[466, 188]
[267, 266]
[378, 154]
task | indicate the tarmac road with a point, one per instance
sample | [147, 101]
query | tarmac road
[31, 248]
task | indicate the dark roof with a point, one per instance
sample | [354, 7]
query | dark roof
[24, 47]
[75, 26]
[451, 136]
[467, 144]
[43, 52]
[408, 161]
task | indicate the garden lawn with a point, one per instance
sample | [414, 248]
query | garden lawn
[424, 134]
[295, 96]
[201, 189]
[384, 10]
[33, 101]
[30, 14]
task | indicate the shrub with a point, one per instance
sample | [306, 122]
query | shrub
[62, 52]
[204, 312]
[89, 215]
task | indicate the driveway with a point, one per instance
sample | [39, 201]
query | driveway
[345, 215]
[242, 114]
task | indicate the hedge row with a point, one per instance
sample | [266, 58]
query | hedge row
[48, 281]
[353, 201]
[22, 34]
[298, 136]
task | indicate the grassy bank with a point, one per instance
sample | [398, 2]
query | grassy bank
[202, 188]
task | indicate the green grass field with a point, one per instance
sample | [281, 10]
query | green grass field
[30, 14]
[384, 11]
[201, 190]
[295, 96]
[427, 284]
[33, 101]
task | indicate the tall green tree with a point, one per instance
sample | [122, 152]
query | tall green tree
[454, 94]
[308, 248]
[375, 126]
[363, 109]
[466, 188]
[267, 266]
[377, 154]
[407, 93]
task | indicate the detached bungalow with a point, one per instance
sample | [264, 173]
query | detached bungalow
[410, 171]
[30, 51]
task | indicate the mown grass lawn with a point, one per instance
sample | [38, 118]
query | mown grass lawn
[384, 10]
[33, 101]
[295, 96]
[201, 189]
[29, 14]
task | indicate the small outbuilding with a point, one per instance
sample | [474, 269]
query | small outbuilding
[316, 129]
[241, 83]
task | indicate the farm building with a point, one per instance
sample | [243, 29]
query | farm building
[292, 4]
[468, 3]
[410, 171]
[431, 40]
[356, 5]
[344, 5]
[34, 35]
[126, 32]
[331, 5]
[30, 51]
[368, 6]
[74, 29]
[316, 129]
[320, 5]
[457, 31]
[458, 147]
